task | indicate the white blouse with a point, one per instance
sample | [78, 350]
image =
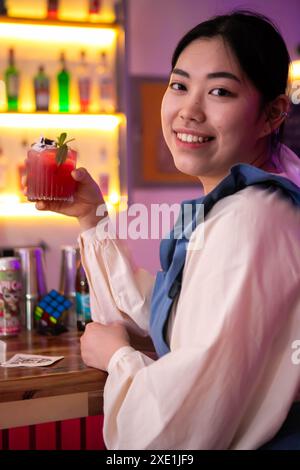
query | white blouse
[229, 380]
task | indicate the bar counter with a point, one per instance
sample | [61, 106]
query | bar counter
[66, 389]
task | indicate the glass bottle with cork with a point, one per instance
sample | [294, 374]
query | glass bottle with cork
[83, 311]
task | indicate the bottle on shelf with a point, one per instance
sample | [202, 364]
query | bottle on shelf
[52, 9]
[106, 84]
[3, 9]
[11, 75]
[84, 83]
[83, 311]
[103, 156]
[21, 170]
[3, 170]
[94, 9]
[3, 99]
[119, 10]
[63, 80]
[104, 183]
[41, 90]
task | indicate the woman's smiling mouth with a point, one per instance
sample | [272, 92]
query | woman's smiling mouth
[189, 140]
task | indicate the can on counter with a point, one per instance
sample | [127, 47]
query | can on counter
[10, 296]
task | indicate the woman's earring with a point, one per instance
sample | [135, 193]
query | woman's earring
[283, 114]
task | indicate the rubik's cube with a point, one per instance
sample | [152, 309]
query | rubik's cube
[50, 312]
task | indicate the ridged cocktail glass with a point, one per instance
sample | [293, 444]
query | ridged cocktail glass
[46, 179]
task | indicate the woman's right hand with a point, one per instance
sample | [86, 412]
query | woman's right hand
[87, 199]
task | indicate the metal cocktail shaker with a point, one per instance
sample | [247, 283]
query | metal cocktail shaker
[70, 256]
[34, 282]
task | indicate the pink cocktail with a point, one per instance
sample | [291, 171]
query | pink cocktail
[46, 179]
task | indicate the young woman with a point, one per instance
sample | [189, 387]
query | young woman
[223, 318]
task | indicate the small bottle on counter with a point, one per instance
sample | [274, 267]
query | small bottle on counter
[83, 310]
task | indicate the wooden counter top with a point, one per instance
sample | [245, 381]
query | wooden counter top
[68, 376]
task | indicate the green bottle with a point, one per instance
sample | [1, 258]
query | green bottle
[12, 82]
[63, 79]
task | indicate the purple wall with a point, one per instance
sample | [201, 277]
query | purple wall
[146, 252]
[155, 26]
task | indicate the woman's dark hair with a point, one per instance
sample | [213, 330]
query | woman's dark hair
[257, 45]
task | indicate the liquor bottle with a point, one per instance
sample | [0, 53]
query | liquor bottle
[106, 83]
[94, 9]
[84, 83]
[3, 9]
[41, 90]
[83, 311]
[3, 170]
[52, 9]
[119, 11]
[63, 79]
[12, 82]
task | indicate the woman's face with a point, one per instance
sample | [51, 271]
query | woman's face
[211, 116]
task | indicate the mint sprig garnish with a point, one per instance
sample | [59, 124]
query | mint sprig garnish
[62, 148]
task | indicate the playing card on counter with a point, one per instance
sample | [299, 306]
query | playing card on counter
[30, 360]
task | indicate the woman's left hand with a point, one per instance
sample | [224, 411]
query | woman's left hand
[99, 343]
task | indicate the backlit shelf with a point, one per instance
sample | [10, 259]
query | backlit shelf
[67, 33]
[111, 24]
[60, 121]
[12, 208]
